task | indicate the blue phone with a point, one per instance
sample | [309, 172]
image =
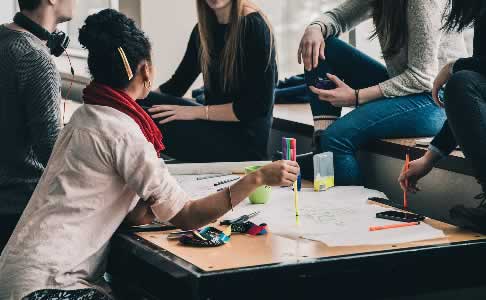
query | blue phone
[312, 78]
[325, 84]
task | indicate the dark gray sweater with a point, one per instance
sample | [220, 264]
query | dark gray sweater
[30, 94]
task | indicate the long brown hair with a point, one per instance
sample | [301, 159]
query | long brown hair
[232, 56]
[390, 18]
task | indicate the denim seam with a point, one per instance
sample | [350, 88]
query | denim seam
[354, 149]
[398, 113]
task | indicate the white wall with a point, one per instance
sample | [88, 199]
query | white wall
[289, 19]
[7, 9]
[168, 23]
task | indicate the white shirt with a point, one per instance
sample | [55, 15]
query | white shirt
[100, 167]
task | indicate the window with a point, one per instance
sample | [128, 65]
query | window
[79, 56]
[83, 9]
[7, 11]
[289, 19]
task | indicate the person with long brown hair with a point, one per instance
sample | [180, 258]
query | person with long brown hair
[390, 102]
[233, 47]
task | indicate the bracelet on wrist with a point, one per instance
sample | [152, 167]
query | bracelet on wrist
[356, 94]
[451, 68]
[320, 25]
[230, 198]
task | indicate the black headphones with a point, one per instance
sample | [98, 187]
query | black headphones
[57, 41]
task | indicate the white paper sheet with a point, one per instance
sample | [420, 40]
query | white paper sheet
[213, 168]
[340, 216]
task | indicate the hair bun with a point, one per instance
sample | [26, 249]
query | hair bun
[102, 34]
[105, 31]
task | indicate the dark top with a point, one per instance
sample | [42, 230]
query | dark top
[30, 93]
[477, 62]
[445, 140]
[254, 99]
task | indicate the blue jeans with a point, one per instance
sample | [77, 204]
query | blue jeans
[413, 115]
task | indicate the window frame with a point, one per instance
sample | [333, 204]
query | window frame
[74, 52]
[83, 53]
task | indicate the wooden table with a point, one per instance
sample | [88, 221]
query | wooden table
[276, 267]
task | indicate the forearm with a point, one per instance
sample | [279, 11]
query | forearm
[141, 214]
[476, 64]
[370, 94]
[201, 212]
[40, 90]
[223, 113]
[344, 17]
[44, 127]
[444, 142]
[432, 157]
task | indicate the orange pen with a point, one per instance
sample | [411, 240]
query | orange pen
[376, 228]
[407, 163]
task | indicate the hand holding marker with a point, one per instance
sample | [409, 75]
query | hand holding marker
[289, 151]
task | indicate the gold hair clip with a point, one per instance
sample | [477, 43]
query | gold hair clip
[125, 63]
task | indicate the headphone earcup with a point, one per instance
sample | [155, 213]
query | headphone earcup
[58, 42]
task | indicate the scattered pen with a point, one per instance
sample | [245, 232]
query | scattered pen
[376, 228]
[226, 181]
[241, 219]
[293, 157]
[181, 232]
[213, 176]
[177, 234]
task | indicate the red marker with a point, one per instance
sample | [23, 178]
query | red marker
[293, 149]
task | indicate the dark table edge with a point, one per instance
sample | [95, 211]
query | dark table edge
[180, 268]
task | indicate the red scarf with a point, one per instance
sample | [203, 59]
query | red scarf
[100, 94]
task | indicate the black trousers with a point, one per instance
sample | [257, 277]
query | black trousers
[465, 104]
[199, 140]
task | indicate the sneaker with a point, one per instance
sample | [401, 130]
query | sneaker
[471, 218]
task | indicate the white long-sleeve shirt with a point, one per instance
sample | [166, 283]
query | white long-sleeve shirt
[100, 167]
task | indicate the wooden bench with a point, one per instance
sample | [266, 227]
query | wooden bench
[297, 119]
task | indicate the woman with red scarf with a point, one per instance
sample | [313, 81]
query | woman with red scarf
[105, 169]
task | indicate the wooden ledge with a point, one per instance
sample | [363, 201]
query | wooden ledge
[297, 118]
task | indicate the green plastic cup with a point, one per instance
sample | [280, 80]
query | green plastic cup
[262, 194]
